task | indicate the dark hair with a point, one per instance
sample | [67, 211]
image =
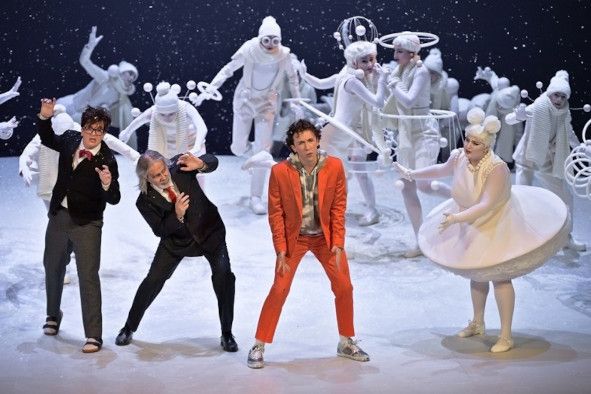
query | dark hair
[92, 115]
[297, 127]
[143, 165]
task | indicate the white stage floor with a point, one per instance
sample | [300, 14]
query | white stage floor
[406, 310]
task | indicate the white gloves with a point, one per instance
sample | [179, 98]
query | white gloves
[404, 172]
[6, 128]
[27, 174]
[485, 74]
[521, 114]
[12, 93]
[125, 134]
[93, 40]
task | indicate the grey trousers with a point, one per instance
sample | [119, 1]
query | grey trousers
[86, 242]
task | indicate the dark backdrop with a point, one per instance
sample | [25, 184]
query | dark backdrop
[178, 40]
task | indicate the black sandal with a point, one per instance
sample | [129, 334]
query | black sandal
[52, 324]
[92, 345]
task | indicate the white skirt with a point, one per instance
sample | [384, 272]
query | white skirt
[518, 238]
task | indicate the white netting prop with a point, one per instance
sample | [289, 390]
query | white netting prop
[577, 167]
[355, 28]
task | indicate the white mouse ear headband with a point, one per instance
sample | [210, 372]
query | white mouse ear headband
[483, 128]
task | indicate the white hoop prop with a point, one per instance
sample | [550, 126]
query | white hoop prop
[584, 134]
[427, 39]
[577, 171]
[296, 100]
[214, 94]
[353, 29]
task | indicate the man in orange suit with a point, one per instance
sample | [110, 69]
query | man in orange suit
[307, 202]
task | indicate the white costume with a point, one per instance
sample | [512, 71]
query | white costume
[500, 239]
[489, 231]
[256, 98]
[546, 143]
[502, 104]
[444, 90]
[108, 89]
[353, 100]
[38, 163]
[175, 126]
[418, 139]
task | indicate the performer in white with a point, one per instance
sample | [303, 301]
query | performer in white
[353, 100]
[6, 128]
[444, 90]
[501, 104]
[488, 230]
[546, 142]
[265, 64]
[109, 88]
[418, 139]
[175, 125]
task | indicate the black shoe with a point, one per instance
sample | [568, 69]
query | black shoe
[228, 343]
[124, 337]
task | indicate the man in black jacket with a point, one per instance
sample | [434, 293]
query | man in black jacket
[86, 182]
[188, 224]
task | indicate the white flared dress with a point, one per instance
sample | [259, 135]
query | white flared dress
[511, 237]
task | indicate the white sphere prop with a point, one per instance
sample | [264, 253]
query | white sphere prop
[192, 96]
[191, 85]
[175, 88]
[539, 84]
[135, 112]
[443, 142]
[524, 93]
[148, 87]
[398, 184]
[360, 30]
[587, 108]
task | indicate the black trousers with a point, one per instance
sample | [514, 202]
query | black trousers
[165, 263]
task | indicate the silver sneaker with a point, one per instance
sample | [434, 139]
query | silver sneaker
[255, 357]
[349, 349]
[473, 328]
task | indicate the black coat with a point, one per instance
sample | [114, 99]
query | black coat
[203, 222]
[86, 197]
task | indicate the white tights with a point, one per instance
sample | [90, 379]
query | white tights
[505, 297]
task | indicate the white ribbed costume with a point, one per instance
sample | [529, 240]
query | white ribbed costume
[502, 104]
[544, 147]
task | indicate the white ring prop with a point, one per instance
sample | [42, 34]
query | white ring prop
[212, 95]
[577, 171]
[429, 38]
[584, 134]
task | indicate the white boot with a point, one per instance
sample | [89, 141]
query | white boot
[575, 245]
[371, 216]
[257, 206]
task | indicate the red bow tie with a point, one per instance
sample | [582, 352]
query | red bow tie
[85, 153]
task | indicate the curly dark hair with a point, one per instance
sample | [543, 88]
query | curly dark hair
[299, 126]
[92, 115]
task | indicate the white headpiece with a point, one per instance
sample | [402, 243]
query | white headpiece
[481, 128]
[559, 83]
[433, 61]
[167, 99]
[126, 66]
[508, 98]
[359, 49]
[408, 41]
[269, 27]
[61, 121]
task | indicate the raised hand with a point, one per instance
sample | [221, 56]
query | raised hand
[93, 40]
[47, 106]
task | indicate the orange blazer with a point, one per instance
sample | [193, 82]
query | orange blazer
[285, 204]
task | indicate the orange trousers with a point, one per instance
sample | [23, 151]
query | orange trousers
[340, 283]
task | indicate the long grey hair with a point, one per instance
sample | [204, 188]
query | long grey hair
[143, 165]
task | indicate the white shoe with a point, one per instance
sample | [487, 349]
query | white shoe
[413, 252]
[263, 159]
[473, 328]
[257, 206]
[575, 245]
[502, 345]
[370, 217]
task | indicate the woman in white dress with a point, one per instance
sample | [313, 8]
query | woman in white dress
[489, 231]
